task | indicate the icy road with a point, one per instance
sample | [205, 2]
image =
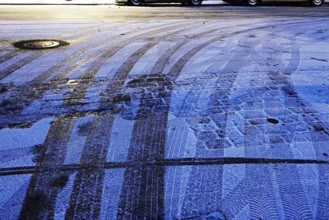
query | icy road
[165, 112]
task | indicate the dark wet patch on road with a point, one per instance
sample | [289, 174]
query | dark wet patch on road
[60, 182]
[84, 129]
[273, 120]
[36, 202]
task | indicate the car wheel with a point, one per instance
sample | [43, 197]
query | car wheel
[255, 2]
[135, 2]
[316, 2]
[195, 2]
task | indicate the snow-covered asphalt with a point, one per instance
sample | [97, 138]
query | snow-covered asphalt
[165, 113]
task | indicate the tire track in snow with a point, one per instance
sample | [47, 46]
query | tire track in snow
[80, 183]
[199, 183]
[47, 180]
[297, 206]
[131, 206]
[87, 191]
[29, 95]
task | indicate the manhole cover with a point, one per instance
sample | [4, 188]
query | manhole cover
[39, 44]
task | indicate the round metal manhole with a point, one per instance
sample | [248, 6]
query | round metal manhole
[40, 44]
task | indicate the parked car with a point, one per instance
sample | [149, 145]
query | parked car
[258, 2]
[140, 2]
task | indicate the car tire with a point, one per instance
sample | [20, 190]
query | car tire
[256, 2]
[135, 2]
[195, 2]
[316, 2]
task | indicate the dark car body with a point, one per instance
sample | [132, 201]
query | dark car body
[140, 2]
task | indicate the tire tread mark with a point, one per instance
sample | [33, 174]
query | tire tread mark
[293, 196]
[86, 197]
[121, 74]
[9, 55]
[41, 196]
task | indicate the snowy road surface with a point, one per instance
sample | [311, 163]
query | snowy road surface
[149, 115]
